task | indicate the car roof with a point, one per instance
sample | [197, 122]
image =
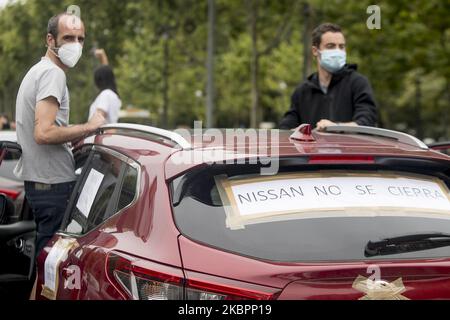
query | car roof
[248, 143]
[231, 139]
[283, 140]
[324, 144]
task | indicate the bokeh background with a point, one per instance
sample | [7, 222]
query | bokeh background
[158, 49]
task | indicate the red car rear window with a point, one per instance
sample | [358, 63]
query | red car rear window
[230, 210]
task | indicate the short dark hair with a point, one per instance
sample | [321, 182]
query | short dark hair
[104, 78]
[53, 24]
[322, 29]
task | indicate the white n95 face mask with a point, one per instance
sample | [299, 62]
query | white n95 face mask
[70, 53]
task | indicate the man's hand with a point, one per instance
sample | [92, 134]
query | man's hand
[94, 123]
[322, 124]
[97, 120]
[47, 132]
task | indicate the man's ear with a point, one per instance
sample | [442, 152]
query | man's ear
[51, 43]
[315, 51]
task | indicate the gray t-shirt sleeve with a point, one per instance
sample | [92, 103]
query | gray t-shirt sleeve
[52, 83]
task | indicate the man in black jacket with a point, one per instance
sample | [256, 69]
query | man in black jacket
[336, 94]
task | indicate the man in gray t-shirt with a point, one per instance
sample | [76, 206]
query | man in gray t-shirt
[42, 118]
[43, 163]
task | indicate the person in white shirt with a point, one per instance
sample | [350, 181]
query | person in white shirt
[108, 101]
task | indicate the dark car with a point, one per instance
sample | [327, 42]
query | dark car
[350, 213]
[17, 228]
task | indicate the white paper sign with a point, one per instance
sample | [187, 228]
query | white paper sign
[57, 254]
[301, 194]
[89, 192]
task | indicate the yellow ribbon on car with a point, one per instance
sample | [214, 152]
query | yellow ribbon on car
[380, 290]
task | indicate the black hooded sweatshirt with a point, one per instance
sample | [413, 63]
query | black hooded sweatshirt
[349, 98]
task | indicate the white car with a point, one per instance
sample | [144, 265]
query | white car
[10, 185]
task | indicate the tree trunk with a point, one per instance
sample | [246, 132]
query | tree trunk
[210, 87]
[418, 105]
[307, 30]
[447, 114]
[165, 117]
[254, 114]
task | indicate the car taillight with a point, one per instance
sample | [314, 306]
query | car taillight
[144, 280]
[340, 159]
[138, 283]
[13, 194]
[195, 289]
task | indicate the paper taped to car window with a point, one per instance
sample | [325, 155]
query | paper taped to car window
[317, 195]
[57, 254]
[89, 192]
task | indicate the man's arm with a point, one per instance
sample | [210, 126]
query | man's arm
[364, 106]
[47, 132]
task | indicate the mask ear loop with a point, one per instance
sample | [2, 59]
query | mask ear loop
[55, 49]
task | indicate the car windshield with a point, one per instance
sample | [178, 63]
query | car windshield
[309, 216]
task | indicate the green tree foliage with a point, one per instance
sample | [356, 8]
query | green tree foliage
[158, 51]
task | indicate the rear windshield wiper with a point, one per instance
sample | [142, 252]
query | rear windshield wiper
[407, 243]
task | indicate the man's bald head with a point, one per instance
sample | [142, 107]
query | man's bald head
[64, 21]
[63, 28]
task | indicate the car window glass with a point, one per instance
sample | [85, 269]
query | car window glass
[128, 190]
[306, 236]
[81, 163]
[116, 189]
[104, 196]
[109, 169]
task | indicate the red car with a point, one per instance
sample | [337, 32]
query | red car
[350, 213]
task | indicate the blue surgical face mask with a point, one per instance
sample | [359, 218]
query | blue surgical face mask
[333, 60]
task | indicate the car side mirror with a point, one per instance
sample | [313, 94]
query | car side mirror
[9, 150]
